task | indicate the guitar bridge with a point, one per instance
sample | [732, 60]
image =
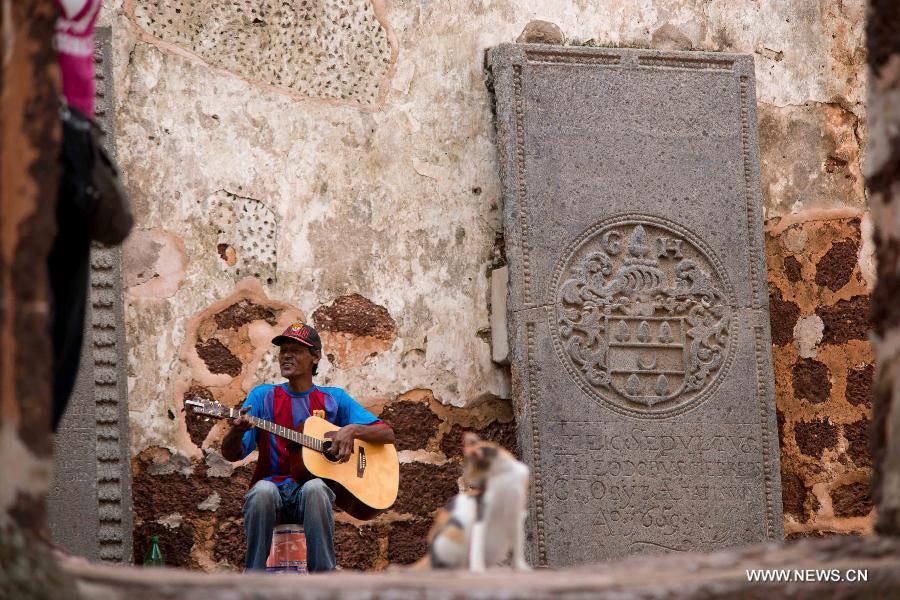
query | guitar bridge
[361, 462]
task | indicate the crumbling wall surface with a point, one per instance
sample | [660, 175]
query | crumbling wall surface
[335, 161]
[820, 275]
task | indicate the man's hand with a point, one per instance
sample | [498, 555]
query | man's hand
[342, 441]
[241, 421]
[231, 445]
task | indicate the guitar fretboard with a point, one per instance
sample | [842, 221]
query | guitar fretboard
[280, 430]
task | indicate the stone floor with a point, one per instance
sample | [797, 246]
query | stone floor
[707, 576]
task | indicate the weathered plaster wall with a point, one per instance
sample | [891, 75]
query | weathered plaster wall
[346, 172]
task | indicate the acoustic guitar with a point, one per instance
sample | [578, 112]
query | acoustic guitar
[364, 486]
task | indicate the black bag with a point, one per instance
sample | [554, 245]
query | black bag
[91, 176]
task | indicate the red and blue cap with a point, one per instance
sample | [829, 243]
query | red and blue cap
[299, 332]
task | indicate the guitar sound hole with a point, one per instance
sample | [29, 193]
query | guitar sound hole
[326, 450]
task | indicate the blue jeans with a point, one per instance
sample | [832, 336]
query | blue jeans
[267, 505]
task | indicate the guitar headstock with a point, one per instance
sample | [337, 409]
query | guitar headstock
[209, 407]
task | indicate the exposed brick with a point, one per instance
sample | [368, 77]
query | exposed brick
[811, 380]
[857, 436]
[846, 320]
[495, 431]
[407, 540]
[814, 504]
[852, 500]
[356, 547]
[243, 312]
[859, 386]
[835, 268]
[218, 358]
[231, 490]
[780, 420]
[814, 437]
[783, 315]
[230, 543]
[156, 496]
[425, 488]
[175, 544]
[792, 269]
[817, 533]
[414, 423]
[198, 425]
[794, 493]
[357, 315]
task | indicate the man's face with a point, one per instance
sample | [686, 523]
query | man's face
[296, 360]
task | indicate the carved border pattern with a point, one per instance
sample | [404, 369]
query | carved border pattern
[521, 190]
[686, 62]
[756, 305]
[536, 447]
[107, 341]
[764, 417]
[530, 365]
[748, 193]
[551, 57]
[710, 256]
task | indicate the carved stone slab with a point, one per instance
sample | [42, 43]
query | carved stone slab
[638, 311]
[89, 506]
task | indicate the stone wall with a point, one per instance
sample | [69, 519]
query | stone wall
[334, 160]
[820, 277]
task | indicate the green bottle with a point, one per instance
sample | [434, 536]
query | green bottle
[154, 557]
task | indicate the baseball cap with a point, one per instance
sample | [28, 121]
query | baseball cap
[299, 332]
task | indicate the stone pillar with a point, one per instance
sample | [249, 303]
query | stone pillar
[883, 182]
[89, 504]
[29, 143]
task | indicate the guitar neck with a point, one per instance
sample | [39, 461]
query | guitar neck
[281, 431]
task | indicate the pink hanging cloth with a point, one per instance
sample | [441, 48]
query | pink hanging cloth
[74, 40]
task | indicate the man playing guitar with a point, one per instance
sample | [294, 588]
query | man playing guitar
[279, 491]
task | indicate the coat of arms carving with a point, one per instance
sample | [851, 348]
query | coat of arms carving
[643, 315]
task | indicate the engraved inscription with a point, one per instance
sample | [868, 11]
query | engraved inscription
[642, 315]
[643, 484]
